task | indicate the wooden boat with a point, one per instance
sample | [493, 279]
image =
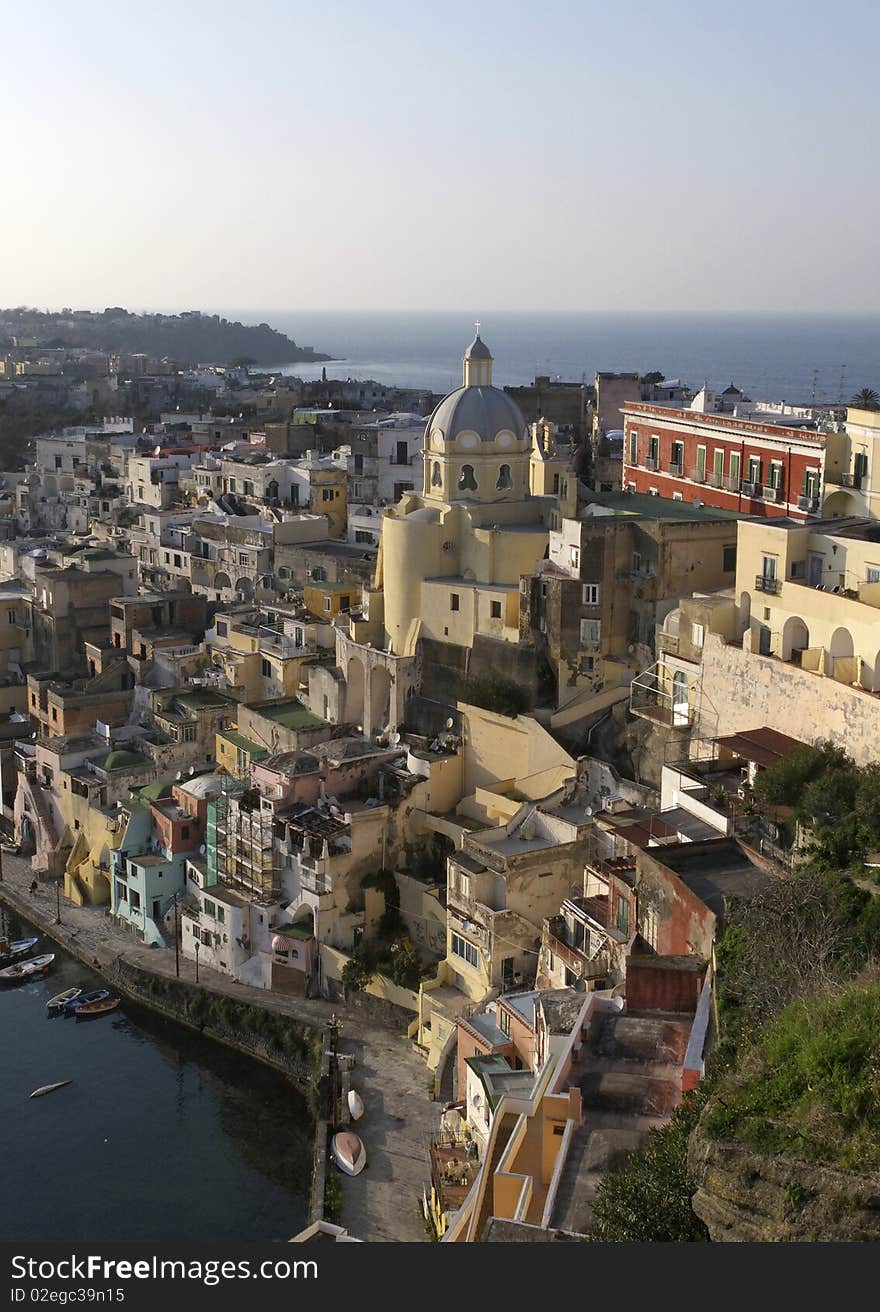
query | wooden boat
[96, 995]
[69, 995]
[10, 952]
[25, 969]
[100, 1007]
[49, 1088]
[355, 1105]
[348, 1152]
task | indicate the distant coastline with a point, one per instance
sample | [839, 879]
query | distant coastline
[191, 337]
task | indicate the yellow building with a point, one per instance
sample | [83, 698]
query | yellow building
[450, 558]
[850, 484]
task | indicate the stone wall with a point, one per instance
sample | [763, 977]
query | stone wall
[742, 690]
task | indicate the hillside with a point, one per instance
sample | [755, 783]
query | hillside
[188, 338]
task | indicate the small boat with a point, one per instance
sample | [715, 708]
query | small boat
[25, 969]
[10, 952]
[100, 1007]
[348, 1152]
[49, 1088]
[96, 995]
[69, 995]
[355, 1105]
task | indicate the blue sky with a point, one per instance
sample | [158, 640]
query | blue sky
[557, 155]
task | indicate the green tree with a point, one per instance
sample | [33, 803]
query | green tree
[649, 1201]
[866, 399]
[359, 969]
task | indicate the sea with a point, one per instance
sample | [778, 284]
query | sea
[162, 1135]
[796, 358]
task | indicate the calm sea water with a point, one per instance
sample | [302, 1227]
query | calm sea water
[162, 1135]
[794, 357]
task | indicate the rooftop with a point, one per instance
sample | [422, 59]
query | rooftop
[290, 713]
[715, 871]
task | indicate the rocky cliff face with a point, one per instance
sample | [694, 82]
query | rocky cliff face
[743, 1195]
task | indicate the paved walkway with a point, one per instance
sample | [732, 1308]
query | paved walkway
[383, 1202]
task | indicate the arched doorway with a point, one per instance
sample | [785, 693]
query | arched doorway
[795, 638]
[354, 692]
[380, 698]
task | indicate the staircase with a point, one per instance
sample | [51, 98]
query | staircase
[629, 1075]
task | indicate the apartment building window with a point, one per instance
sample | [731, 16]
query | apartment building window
[636, 562]
[266, 669]
[326, 603]
[358, 464]
[872, 574]
[590, 594]
[655, 449]
[735, 467]
[718, 465]
[222, 629]
[623, 915]
[591, 631]
[327, 494]
[453, 601]
[504, 1021]
[361, 535]
[575, 557]
[467, 951]
[649, 927]
[754, 469]
[728, 558]
[677, 466]
[697, 634]
[701, 464]
[630, 487]
[242, 558]
[495, 610]
[776, 474]
[184, 831]
[633, 447]
[811, 483]
[678, 496]
[187, 733]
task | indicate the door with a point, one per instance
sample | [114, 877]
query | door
[815, 571]
[507, 973]
[680, 704]
[718, 467]
[157, 910]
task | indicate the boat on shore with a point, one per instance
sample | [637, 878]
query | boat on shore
[96, 995]
[355, 1105]
[12, 952]
[91, 1010]
[26, 969]
[50, 1088]
[57, 1003]
[348, 1152]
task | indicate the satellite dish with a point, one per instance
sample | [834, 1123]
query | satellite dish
[192, 769]
[450, 723]
[395, 738]
[179, 775]
[202, 850]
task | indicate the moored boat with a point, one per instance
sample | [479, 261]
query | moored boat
[11, 952]
[355, 1105]
[49, 1088]
[26, 969]
[69, 995]
[100, 1007]
[348, 1152]
[96, 995]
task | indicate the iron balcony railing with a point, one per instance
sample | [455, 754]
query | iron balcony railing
[764, 583]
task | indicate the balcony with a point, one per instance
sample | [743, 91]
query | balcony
[808, 503]
[697, 475]
[770, 493]
[651, 464]
[676, 469]
[750, 489]
[764, 583]
[851, 479]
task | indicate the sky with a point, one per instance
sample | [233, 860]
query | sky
[632, 156]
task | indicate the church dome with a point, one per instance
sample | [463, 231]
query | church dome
[478, 350]
[486, 411]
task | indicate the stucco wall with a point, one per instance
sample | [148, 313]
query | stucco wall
[742, 690]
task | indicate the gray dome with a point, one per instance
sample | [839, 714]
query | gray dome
[478, 350]
[482, 410]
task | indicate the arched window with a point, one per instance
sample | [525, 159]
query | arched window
[467, 482]
[504, 479]
[436, 479]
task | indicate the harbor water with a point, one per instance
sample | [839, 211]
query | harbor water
[162, 1135]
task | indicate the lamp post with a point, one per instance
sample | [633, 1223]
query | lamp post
[197, 946]
[57, 901]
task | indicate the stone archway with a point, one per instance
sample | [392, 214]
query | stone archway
[355, 683]
[841, 645]
[245, 589]
[795, 638]
[222, 581]
[380, 699]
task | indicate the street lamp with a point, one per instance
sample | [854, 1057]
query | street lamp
[197, 946]
[57, 901]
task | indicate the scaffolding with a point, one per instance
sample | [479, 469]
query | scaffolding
[240, 842]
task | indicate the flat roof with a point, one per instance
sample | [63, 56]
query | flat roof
[715, 871]
[641, 505]
[291, 714]
[762, 746]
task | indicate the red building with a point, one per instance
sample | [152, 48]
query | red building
[733, 464]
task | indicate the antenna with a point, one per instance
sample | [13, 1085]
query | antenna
[842, 381]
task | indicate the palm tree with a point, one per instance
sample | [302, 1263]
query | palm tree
[866, 399]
